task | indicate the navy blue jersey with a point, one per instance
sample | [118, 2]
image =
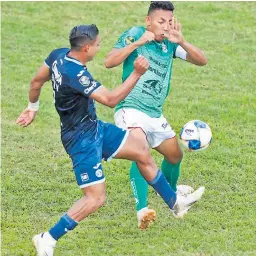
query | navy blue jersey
[72, 85]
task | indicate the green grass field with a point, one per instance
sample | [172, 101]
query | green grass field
[38, 184]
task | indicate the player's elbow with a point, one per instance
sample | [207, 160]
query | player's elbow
[35, 84]
[203, 61]
[110, 101]
[108, 63]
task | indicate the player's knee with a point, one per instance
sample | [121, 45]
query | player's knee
[99, 200]
[144, 153]
[175, 158]
[179, 156]
[95, 201]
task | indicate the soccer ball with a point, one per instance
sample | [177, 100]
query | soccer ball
[196, 135]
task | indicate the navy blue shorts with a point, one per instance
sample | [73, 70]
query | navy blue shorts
[89, 149]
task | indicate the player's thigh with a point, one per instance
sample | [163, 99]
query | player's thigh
[86, 159]
[113, 140]
[136, 146]
[171, 150]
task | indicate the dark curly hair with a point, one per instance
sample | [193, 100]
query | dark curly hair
[160, 5]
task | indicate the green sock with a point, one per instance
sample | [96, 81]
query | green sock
[171, 172]
[139, 187]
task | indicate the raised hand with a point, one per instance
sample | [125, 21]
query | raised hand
[175, 35]
[141, 65]
[26, 117]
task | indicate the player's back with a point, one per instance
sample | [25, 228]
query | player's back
[72, 85]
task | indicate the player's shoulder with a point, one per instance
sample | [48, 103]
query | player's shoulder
[136, 31]
[130, 35]
[59, 51]
[56, 54]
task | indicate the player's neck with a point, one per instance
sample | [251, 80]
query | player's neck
[78, 56]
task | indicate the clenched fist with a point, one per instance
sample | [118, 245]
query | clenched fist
[146, 38]
[141, 65]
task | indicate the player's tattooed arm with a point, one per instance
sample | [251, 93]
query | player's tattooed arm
[29, 114]
[192, 53]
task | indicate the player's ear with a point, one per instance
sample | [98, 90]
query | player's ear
[86, 48]
[148, 21]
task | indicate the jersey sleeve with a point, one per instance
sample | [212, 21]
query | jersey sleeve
[175, 46]
[129, 36]
[49, 60]
[84, 83]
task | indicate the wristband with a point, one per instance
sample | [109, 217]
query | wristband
[181, 53]
[33, 106]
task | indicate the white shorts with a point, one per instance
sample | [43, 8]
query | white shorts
[156, 129]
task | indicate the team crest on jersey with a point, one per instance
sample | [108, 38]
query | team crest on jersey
[129, 39]
[84, 80]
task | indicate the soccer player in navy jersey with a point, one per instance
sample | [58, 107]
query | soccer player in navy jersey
[86, 139]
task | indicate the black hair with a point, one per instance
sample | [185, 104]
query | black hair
[82, 34]
[160, 5]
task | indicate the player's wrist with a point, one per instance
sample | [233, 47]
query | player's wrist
[137, 74]
[136, 44]
[33, 105]
[182, 41]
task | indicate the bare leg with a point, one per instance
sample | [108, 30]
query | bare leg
[94, 197]
[136, 149]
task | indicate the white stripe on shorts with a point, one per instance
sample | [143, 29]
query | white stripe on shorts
[92, 183]
[120, 147]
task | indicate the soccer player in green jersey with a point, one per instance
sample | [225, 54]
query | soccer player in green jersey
[141, 111]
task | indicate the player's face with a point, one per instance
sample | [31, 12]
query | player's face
[159, 22]
[93, 48]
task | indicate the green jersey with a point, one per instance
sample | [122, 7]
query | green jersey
[153, 87]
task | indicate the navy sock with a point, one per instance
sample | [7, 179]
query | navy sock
[163, 188]
[64, 225]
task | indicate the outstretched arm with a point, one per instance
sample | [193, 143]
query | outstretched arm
[29, 114]
[111, 98]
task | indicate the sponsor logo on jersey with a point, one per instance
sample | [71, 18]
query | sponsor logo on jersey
[84, 177]
[89, 89]
[84, 80]
[56, 76]
[129, 39]
[99, 173]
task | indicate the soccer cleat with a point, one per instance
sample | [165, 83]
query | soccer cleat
[184, 203]
[146, 218]
[44, 246]
[184, 190]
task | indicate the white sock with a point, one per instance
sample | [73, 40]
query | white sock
[140, 212]
[49, 238]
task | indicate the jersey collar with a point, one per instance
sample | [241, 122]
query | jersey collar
[73, 60]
